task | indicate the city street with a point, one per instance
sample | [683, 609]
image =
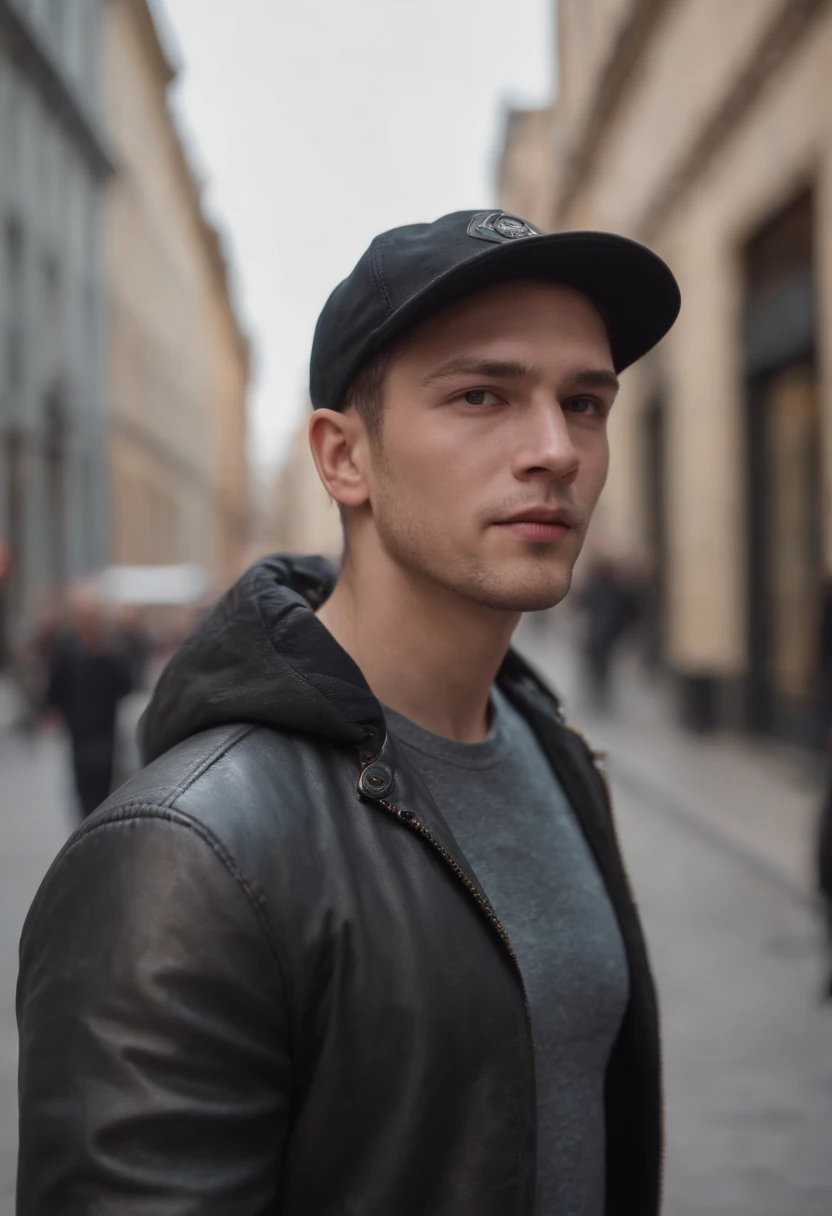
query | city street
[717, 838]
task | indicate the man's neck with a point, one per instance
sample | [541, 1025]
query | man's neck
[424, 651]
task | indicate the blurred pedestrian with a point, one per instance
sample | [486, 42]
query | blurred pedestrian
[31, 663]
[359, 937]
[134, 642]
[89, 674]
[610, 602]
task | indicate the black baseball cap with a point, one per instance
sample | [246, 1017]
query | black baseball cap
[412, 272]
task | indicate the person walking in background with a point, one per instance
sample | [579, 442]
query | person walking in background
[610, 603]
[31, 660]
[359, 937]
[134, 643]
[89, 674]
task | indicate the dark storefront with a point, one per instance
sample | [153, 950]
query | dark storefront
[784, 516]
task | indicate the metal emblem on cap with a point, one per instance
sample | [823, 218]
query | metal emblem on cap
[499, 227]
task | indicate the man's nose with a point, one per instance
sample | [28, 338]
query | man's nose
[545, 442]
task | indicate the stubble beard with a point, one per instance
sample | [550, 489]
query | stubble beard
[421, 551]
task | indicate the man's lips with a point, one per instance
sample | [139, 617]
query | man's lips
[533, 529]
[541, 524]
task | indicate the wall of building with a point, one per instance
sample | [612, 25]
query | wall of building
[526, 180]
[591, 30]
[229, 381]
[301, 517]
[179, 364]
[670, 83]
[689, 124]
[784, 140]
[55, 170]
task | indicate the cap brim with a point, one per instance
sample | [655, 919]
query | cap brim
[632, 288]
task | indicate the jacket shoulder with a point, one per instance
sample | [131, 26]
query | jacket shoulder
[145, 945]
[252, 788]
[198, 759]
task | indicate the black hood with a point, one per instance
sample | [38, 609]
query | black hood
[262, 656]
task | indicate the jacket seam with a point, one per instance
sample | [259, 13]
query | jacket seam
[137, 811]
[221, 749]
[376, 260]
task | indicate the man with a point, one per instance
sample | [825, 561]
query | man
[88, 676]
[359, 939]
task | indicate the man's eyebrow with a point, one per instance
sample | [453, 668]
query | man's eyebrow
[501, 369]
[498, 369]
[595, 377]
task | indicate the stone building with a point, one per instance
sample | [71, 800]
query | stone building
[704, 128]
[179, 362]
[54, 171]
[298, 515]
[526, 171]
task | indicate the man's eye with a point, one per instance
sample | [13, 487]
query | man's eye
[477, 396]
[583, 405]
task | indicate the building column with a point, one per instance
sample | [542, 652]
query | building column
[706, 482]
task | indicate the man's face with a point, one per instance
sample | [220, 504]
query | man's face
[494, 447]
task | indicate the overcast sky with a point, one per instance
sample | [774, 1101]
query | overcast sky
[319, 123]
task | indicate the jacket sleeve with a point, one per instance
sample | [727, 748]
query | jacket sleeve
[154, 1071]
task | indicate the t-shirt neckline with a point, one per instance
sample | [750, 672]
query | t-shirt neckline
[483, 754]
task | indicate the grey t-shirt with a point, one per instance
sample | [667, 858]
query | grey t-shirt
[517, 831]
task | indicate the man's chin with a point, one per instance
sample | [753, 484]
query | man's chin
[525, 594]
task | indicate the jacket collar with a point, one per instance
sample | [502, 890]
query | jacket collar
[263, 657]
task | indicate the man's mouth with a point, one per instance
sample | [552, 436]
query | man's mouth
[532, 529]
[541, 523]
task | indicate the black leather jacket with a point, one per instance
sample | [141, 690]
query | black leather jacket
[262, 977]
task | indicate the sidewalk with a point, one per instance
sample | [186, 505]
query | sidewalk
[756, 799]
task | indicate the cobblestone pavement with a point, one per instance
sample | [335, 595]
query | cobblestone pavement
[716, 836]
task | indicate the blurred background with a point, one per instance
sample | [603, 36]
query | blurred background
[181, 185]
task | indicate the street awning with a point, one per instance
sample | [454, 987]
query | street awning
[154, 585]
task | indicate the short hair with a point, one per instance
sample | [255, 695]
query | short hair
[366, 392]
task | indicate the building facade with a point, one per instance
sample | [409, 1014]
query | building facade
[526, 172]
[298, 514]
[179, 362]
[704, 129]
[55, 166]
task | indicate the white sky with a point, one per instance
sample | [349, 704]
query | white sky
[319, 123]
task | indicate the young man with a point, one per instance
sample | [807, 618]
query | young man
[359, 939]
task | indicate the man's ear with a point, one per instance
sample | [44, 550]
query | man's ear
[338, 442]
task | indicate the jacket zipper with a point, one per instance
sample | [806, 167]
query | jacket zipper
[409, 818]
